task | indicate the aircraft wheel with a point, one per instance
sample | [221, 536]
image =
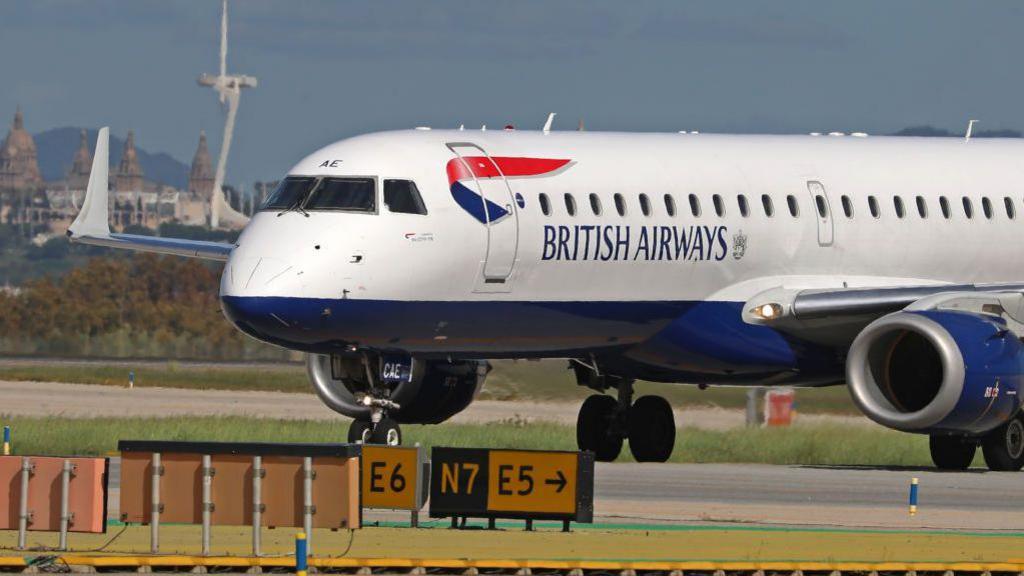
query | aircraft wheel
[386, 432]
[359, 431]
[595, 428]
[652, 429]
[951, 452]
[1004, 447]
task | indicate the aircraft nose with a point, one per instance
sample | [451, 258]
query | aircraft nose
[246, 275]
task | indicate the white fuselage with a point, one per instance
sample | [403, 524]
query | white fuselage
[459, 273]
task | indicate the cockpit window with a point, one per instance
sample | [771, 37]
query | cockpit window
[289, 193]
[353, 194]
[402, 196]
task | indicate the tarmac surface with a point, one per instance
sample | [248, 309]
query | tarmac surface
[711, 494]
[90, 400]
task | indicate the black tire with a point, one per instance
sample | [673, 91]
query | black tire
[386, 432]
[1004, 447]
[951, 452]
[595, 428]
[652, 429]
[359, 431]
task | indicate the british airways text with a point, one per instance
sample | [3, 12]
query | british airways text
[613, 242]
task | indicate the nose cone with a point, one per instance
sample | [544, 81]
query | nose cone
[249, 275]
[261, 276]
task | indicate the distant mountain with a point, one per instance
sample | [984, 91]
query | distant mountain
[939, 132]
[57, 148]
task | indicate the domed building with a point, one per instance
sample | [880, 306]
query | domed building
[25, 198]
[19, 165]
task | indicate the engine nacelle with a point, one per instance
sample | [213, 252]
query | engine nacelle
[435, 391]
[937, 371]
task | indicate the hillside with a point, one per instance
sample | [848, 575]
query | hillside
[57, 147]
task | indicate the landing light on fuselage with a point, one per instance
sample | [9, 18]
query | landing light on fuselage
[767, 311]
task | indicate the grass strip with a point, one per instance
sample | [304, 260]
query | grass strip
[169, 375]
[812, 444]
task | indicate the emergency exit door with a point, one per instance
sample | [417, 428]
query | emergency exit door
[485, 193]
[823, 211]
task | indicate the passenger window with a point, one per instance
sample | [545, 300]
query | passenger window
[968, 208]
[545, 204]
[694, 205]
[766, 203]
[402, 197]
[847, 206]
[986, 207]
[570, 204]
[620, 204]
[645, 205]
[822, 206]
[1011, 212]
[741, 201]
[922, 207]
[794, 208]
[897, 203]
[595, 204]
[670, 205]
[289, 193]
[348, 194]
[944, 205]
[873, 206]
[719, 205]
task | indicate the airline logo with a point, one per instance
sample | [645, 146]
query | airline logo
[482, 167]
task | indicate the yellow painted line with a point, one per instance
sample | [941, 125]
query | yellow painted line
[1017, 565]
[167, 561]
[12, 561]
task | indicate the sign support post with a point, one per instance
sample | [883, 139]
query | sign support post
[257, 502]
[23, 515]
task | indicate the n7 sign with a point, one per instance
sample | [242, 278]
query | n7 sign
[511, 484]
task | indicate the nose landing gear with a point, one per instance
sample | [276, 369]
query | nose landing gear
[604, 422]
[379, 429]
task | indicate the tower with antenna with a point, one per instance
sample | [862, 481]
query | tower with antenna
[229, 89]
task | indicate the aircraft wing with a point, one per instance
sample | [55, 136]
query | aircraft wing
[835, 316]
[91, 225]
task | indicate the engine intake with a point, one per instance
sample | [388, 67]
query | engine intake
[436, 390]
[936, 371]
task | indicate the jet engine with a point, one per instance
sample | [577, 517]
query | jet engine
[937, 371]
[429, 392]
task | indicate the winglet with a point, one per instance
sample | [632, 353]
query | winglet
[92, 219]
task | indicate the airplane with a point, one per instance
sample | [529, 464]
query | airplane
[401, 262]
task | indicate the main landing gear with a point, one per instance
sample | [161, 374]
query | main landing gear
[1003, 448]
[379, 429]
[605, 422]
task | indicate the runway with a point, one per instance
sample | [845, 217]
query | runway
[721, 494]
[98, 401]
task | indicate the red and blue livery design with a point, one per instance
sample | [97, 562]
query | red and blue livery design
[480, 167]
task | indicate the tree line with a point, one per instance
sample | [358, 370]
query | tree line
[145, 305]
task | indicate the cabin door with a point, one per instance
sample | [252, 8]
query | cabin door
[823, 211]
[479, 186]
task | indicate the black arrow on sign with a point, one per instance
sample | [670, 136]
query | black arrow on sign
[560, 482]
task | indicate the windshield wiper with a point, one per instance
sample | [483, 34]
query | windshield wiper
[296, 207]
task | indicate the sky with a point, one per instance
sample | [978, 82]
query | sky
[332, 69]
